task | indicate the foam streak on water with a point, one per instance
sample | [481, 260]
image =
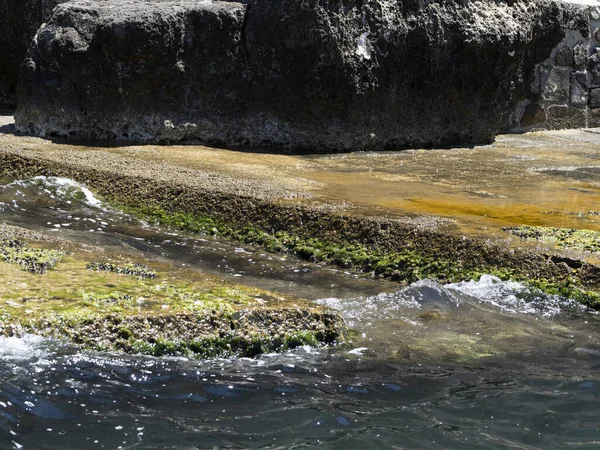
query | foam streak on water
[57, 188]
[504, 296]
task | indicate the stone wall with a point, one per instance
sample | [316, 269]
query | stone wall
[566, 90]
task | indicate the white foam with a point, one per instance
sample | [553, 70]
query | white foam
[62, 187]
[24, 348]
[386, 305]
[513, 297]
[489, 287]
[358, 351]
[506, 296]
[90, 199]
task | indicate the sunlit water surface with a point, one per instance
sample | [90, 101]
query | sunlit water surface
[481, 364]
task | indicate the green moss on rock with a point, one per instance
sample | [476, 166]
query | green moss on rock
[136, 270]
[188, 313]
[36, 260]
[409, 263]
[569, 289]
[212, 333]
[568, 238]
[405, 264]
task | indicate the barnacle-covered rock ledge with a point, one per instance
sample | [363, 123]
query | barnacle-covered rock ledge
[53, 288]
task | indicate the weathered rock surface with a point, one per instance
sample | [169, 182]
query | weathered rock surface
[311, 74]
[19, 21]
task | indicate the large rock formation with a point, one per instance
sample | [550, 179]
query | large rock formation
[309, 74]
[19, 21]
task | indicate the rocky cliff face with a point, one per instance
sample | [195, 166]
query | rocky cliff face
[306, 74]
[19, 21]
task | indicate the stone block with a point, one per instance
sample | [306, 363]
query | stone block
[534, 115]
[594, 118]
[595, 97]
[555, 87]
[580, 55]
[596, 34]
[579, 92]
[564, 57]
[594, 12]
[581, 77]
[559, 117]
[593, 68]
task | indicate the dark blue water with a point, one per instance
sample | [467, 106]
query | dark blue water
[55, 398]
[499, 366]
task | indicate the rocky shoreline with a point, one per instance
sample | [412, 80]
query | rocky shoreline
[383, 246]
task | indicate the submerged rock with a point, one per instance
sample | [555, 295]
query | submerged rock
[315, 75]
[129, 307]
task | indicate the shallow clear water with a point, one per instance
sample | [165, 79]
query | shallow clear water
[59, 206]
[482, 364]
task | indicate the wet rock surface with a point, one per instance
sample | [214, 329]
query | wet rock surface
[314, 75]
[371, 243]
[19, 21]
[206, 335]
[132, 308]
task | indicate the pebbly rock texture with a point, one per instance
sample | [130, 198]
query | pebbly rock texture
[316, 75]
[19, 21]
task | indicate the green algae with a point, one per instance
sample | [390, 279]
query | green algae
[36, 260]
[186, 313]
[567, 238]
[228, 345]
[214, 333]
[405, 264]
[136, 270]
[568, 289]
